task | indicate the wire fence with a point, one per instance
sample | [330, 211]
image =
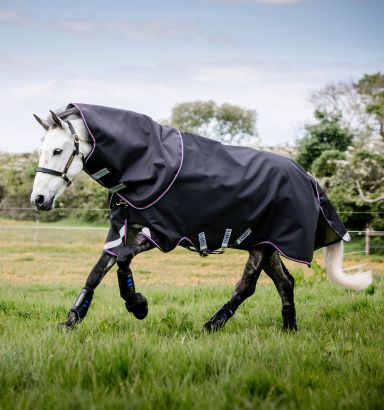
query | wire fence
[366, 241]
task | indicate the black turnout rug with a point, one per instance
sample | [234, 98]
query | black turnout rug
[192, 191]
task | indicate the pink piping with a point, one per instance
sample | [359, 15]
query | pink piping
[285, 256]
[322, 211]
[159, 247]
[109, 252]
[260, 243]
[152, 241]
[169, 186]
[124, 199]
[187, 239]
[89, 131]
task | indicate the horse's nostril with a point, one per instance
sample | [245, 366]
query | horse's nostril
[39, 200]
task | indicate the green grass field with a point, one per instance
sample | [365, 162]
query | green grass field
[113, 361]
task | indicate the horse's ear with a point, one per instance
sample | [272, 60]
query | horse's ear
[57, 120]
[42, 122]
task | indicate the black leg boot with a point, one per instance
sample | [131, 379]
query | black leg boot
[220, 318]
[135, 302]
[78, 310]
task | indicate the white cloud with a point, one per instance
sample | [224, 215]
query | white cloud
[8, 16]
[134, 30]
[144, 30]
[12, 17]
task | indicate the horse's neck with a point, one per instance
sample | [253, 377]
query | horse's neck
[85, 139]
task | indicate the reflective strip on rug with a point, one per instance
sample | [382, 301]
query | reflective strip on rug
[227, 235]
[243, 236]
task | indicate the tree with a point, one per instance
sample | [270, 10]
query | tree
[325, 135]
[359, 105]
[17, 174]
[226, 122]
[354, 176]
[371, 91]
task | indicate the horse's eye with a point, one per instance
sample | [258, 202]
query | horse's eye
[57, 151]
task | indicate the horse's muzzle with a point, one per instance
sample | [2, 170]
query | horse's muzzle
[41, 203]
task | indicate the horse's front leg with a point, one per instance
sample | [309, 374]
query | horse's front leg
[135, 302]
[83, 301]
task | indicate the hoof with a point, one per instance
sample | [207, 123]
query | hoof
[218, 320]
[65, 327]
[290, 327]
[139, 308]
[289, 318]
[213, 326]
[72, 321]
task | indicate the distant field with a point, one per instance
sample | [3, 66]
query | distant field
[113, 361]
[66, 256]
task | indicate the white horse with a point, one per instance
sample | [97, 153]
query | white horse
[65, 144]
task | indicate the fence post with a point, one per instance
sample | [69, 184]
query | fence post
[367, 239]
[36, 230]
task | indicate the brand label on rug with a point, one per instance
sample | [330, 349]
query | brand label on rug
[227, 235]
[101, 173]
[243, 236]
[117, 188]
[202, 241]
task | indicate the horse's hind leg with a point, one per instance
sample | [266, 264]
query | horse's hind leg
[244, 288]
[284, 282]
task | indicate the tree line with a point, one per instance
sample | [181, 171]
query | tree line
[342, 146]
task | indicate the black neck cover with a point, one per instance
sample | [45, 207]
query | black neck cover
[132, 155]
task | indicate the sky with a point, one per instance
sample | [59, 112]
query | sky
[147, 56]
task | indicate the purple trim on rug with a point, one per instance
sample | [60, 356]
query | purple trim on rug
[152, 241]
[159, 247]
[169, 186]
[260, 243]
[110, 253]
[322, 211]
[124, 199]
[90, 133]
[285, 256]
[187, 239]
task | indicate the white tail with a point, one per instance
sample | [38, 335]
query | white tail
[334, 268]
